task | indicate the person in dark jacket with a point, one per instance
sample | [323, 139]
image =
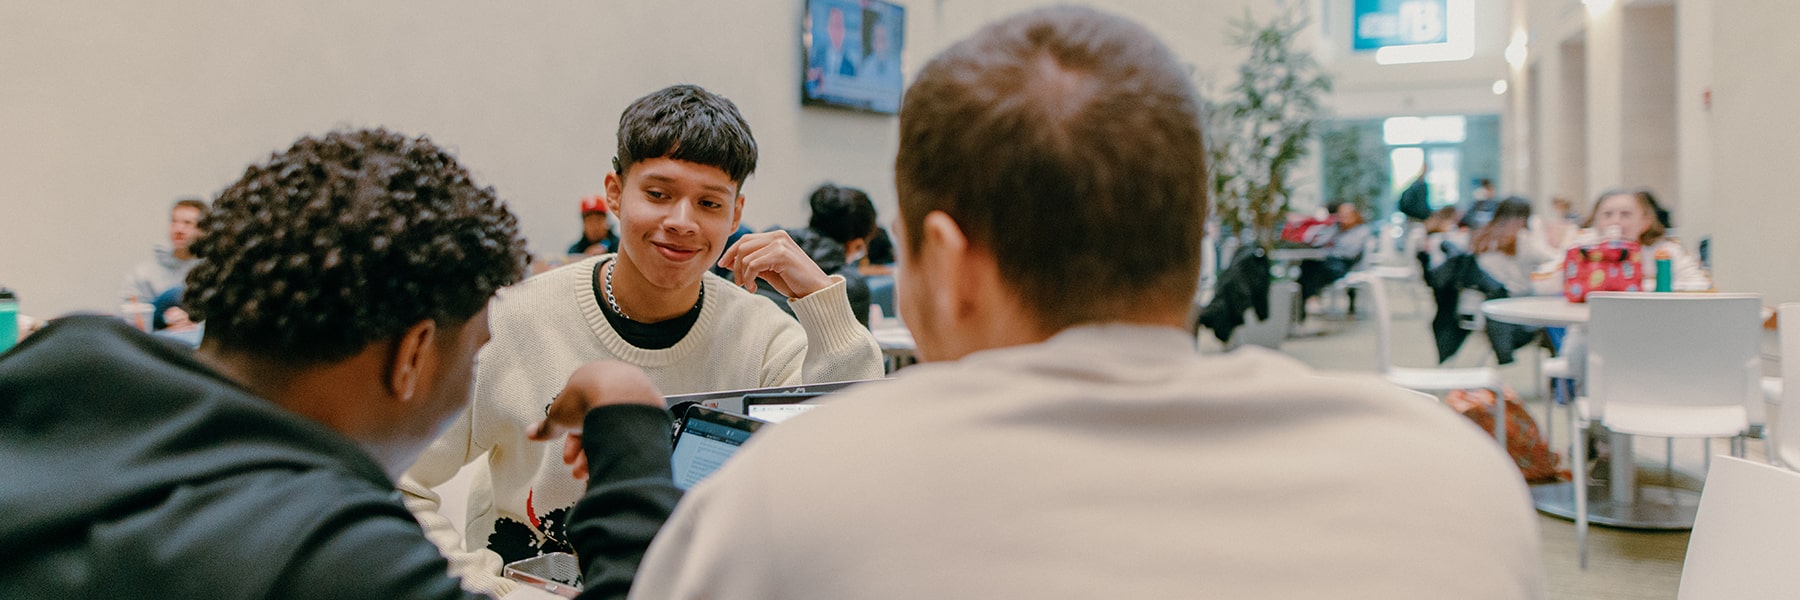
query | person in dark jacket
[837, 238]
[345, 286]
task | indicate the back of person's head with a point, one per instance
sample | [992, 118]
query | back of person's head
[841, 213]
[1501, 233]
[688, 124]
[1442, 219]
[1066, 142]
[346, 240]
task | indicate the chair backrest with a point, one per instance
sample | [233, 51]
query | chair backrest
[1787, 431]
[1746, 534]
[1674, 349]
[1384, 319]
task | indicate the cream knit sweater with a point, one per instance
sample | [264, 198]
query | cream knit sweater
[547, 326]
[1108, 462]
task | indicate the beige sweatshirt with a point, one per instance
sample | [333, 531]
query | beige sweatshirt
[547, 326]
[1108, 462]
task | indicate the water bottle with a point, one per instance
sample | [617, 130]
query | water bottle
[1665, 271]
[9, 319]
[137, 314]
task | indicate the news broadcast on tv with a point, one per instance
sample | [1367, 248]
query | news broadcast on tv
[852, 50]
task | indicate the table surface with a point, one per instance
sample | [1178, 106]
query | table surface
[1546, 311]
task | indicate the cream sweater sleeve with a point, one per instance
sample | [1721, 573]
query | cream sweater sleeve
[838, 348]
[479, 568]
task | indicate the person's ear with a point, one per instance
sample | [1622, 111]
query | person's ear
[944, 253]
[737, 212]
[413, 355]
[614, 187]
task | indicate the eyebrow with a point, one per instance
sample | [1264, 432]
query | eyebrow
[664, 179]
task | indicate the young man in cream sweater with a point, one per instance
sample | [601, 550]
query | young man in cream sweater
[1063, 438]
[683, 156]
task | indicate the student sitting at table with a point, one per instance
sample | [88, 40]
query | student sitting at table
[837, 238]
[1443, 237]
[676, 188]
[1067, 441]
[1343, 247]
[1630, 215]
[261, 465]
[1509, 252]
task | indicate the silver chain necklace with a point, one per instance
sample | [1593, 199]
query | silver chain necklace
[614, 302]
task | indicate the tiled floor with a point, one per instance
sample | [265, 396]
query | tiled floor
[1622, 563]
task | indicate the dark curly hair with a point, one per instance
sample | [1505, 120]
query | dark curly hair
[345, 240]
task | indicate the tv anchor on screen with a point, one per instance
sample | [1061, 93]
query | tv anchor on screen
[854, 71]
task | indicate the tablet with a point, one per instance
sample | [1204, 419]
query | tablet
[707, 438]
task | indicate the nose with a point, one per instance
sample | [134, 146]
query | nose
[681, 219]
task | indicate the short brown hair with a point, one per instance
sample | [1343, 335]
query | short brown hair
[193, 203]
[1066, 141]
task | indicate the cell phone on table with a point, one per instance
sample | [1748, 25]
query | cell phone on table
[556, 572]
[706, 439]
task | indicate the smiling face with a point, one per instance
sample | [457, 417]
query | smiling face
[674, 219]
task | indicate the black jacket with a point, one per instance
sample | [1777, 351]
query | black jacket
[135, 471]
[829, 255]
[1459, 272]
[1243, 285]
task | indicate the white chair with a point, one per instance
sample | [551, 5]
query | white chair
[1784, 445]
[1425, 380]
[1746, 534]
[1666, 365]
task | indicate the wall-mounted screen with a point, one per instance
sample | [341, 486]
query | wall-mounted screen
[1382, 23]
[852, 53]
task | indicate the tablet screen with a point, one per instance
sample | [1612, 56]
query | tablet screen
[708, 437]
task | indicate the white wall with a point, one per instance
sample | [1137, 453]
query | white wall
[1693, 120]
[1755, 150]
[109, 110]
[1647, 103]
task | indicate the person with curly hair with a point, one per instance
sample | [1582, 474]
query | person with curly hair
[345, 284]
[676, 189]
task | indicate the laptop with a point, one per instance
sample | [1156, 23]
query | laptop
[711, 426]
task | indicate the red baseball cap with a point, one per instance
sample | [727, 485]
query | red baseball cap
[593, 204]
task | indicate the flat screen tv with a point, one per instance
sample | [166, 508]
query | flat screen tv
[851, 50]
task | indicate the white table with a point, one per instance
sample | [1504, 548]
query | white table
[1619, 501]
[896, 341]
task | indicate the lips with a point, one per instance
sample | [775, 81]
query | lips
[675, 252]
